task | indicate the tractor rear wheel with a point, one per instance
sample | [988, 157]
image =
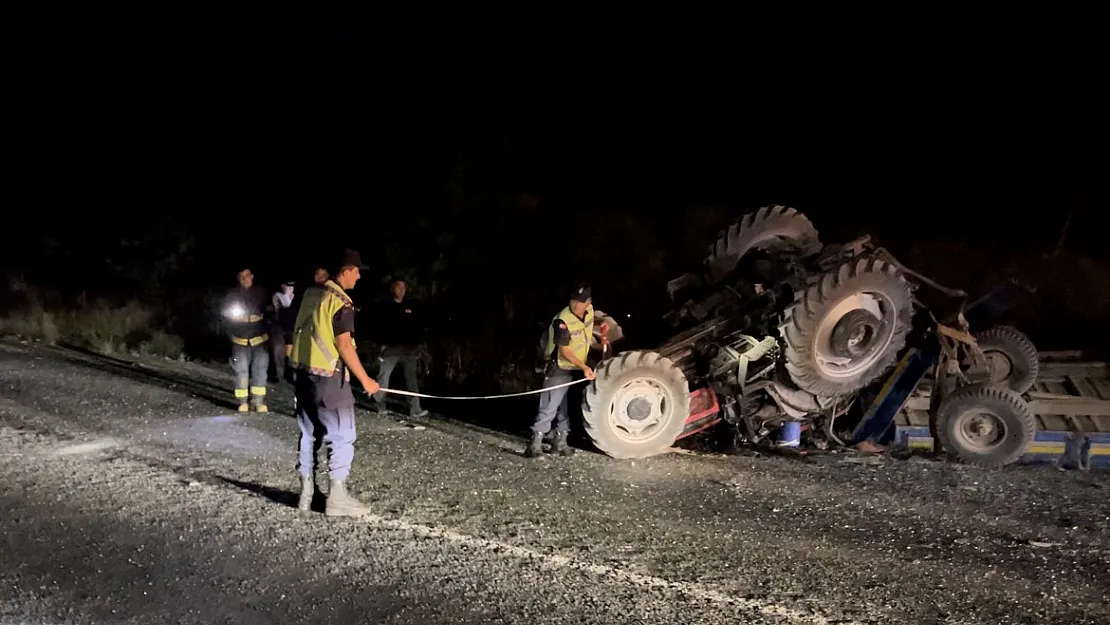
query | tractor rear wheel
[846, 328]
[637, 406]
[985, 425]
[774, 228]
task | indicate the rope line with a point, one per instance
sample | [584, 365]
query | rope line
[395, 391]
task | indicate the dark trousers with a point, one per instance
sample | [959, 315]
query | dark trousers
[277, 355]
[333, 427]
[407, 359]
[250, 365]
[553, 403]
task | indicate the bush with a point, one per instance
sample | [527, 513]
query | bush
[101, 327]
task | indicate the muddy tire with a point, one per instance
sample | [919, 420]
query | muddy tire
[771, 228]
[985, 425]
[637, 406]
[1013, 358]
[846, 328]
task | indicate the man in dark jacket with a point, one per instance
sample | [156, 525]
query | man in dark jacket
[401, 333]
[244, 310]
[282, 315]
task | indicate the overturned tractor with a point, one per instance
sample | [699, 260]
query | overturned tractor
[775, 327]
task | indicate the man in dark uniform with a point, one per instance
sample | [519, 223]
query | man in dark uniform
[566, 348]
[244, 311]
[325, 358]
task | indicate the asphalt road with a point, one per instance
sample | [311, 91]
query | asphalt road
[130, 495]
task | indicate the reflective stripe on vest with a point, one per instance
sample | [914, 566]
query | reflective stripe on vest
[581, 335]
[251, 342]
[314, 348]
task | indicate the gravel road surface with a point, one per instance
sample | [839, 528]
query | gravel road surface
[131, 493]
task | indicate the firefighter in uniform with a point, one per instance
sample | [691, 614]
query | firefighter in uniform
[244, 309]
[324, 359]
[565, 347]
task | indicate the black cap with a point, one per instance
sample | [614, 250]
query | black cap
[351, 258]
[580, 293]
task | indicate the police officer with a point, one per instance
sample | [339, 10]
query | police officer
[324, 357]
[566, 348]
[244, 308]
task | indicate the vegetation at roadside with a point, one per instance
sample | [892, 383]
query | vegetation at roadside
[102, 326]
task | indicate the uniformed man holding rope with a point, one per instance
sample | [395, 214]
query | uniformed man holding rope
[566, 347]
[324, 358]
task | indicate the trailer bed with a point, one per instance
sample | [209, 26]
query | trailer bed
[1071, 401]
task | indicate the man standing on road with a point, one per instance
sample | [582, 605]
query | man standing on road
[325, 358]
[281, 309]
[402, 331]
[566, 347]
[243, 310]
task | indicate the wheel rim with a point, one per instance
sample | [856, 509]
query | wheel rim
[980, 430]
[854, 334]
[999, 366]
[640, 410]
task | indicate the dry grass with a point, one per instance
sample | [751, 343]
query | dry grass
[130, 328]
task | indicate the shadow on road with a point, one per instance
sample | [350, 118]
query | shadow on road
[219, 395]
[276, 495]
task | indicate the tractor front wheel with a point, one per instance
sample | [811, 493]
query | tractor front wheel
[1012, 358]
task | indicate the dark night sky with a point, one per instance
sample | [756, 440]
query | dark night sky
[855, 128]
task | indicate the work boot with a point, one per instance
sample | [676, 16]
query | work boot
[262, 408]
[535, 448]
[560, 445]
[244, 407]
[340, 503]
[308, 489]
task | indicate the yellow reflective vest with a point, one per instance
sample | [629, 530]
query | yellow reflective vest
[314, 348]
[581, 336]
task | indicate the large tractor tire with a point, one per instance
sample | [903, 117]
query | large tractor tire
[985, 425]
[771, 228]
[1011, 356]
[637, 406]
[846, 328]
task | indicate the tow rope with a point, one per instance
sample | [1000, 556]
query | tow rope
[395, 391]
[604, 351]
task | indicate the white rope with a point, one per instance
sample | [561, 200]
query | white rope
[395, 391]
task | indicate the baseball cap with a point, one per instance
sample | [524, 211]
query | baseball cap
[580, 293]
[351, 258]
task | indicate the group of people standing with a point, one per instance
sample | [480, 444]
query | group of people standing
[310, 336]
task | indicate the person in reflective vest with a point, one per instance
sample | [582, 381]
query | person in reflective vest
[324, 357]
[244, 308]
[566, 347]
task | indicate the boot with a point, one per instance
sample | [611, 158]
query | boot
[244, 407]
[560, 446]
[535, 448]
[308, 489]
[342, 504]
